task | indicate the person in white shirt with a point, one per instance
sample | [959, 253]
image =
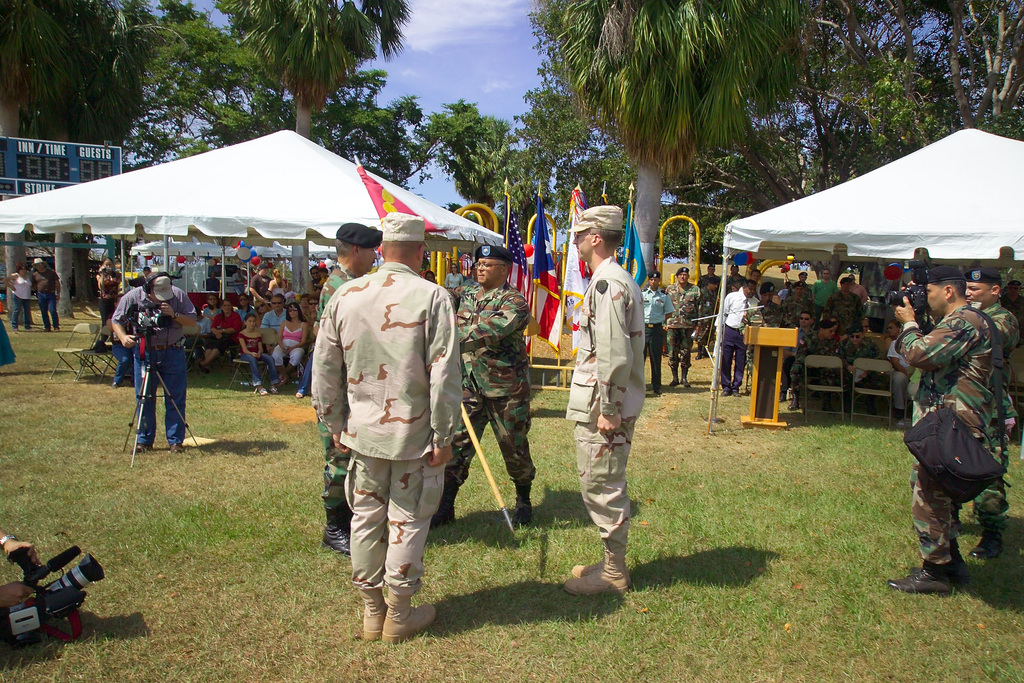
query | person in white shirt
[734, 351]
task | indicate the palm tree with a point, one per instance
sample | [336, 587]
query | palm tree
[669, 77]
[314, 46]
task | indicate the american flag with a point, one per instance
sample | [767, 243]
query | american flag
[519, 276]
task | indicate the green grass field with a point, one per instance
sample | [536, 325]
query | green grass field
[756, 556]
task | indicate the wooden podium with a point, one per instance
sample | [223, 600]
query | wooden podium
[768, 343]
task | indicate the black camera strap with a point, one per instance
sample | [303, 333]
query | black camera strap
[998, 370]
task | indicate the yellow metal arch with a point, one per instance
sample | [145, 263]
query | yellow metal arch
[661, 242]
[484, 214]
[551, 221]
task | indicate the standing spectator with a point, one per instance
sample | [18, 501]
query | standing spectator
[251, 343]
[19, 286]
[735, 280]
[708, 277]
[844, 307]
[108, 283]
[47, 286]
[657, 306]
[707, 306]
[860, 290]
[278, 285]
[291, 340]
[821, 291]
[273, 318]
[226, 325]
[734, 350]
[237, 282]
[259, 284]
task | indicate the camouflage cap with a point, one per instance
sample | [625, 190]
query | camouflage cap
[986, 274]
[604, 217]
[402, 227]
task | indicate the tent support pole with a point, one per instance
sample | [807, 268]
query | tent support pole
[167, 242]
[716, 384]
[223, 270]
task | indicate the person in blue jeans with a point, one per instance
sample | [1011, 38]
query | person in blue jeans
[164, 353]
[125, 363]
[251, 343]
[47, 285]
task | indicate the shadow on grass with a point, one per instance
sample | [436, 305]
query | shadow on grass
[243, 448]
[94, 628]
[548, 412]
[998, 582]
[556, 509]
[526, 602]
[724, 567]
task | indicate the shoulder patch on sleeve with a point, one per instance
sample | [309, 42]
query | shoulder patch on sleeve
[601, 286]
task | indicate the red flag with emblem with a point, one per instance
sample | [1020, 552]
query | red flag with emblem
[385, 202]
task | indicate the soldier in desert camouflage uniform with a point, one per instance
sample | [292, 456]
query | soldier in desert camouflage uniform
[990, 507]
[356, 248]
[956, 360]
[387, 385]
[607, 395]
[680, 325]
[495, 381]
[844, 306]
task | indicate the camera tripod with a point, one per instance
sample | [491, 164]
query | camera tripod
[148, 392]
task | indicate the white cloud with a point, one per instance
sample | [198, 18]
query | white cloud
[436, 23]
[496, 84]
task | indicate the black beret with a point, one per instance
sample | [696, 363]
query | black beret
[1013, 283]
[767, 287]
[360, 235]
[488, 251]
[855, 328]
[848, 278]
[827, 324]
[945, 274]
[684, 269]
[986, 274]
[653, 273]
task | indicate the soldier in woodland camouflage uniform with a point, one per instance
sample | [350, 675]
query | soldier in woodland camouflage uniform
[795, 303]
[844, 306]
[387, 385]
[357, 250]
[990, 507]
[857, 346]
[735, 280]
[824, 343]
[685, 299]
[707, 305]
[768, 315]
[956, 360]
[495, 381]
[607, 395]
[1013, 302]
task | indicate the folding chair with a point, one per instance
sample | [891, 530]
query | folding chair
[83, 337]
[825, 363]
[99, 363]
[1017, 374]
[191, 345]
[868, 365]
[269, 340]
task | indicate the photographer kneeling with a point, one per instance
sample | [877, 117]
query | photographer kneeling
[14, 593]
[155, 314]
[956, 363]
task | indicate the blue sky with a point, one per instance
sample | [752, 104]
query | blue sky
[477, 50]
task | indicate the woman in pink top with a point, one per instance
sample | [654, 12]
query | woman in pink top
[291, 341]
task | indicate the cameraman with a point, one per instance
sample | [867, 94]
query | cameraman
[956, 360]
[164, 350]
[14, 593]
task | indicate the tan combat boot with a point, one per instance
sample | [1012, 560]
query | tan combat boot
[403, 620]
[581, 570]
[612, 578]
[374, 611]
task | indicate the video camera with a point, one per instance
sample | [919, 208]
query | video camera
[916, 292]
[21, 625]
[146, 317]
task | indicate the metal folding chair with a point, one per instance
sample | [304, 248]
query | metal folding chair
[869, 365]
[83, 337]
[825, 363]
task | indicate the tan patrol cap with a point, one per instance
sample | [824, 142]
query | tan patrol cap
[605, 217]
[401, 227]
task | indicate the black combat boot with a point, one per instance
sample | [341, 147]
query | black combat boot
[524, 510]
[446, 510]
[794, 400]
[990, 545]
[683, 380]
[675, 377]
[338, 533]
[956, 571]
[930, 578]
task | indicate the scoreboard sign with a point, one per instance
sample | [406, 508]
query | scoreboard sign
[33, 166]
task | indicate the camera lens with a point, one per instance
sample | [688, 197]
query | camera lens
[87, 571]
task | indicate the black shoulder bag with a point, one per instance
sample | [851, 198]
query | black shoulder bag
[948, 450]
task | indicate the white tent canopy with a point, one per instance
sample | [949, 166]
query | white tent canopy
[959, 198]
[279, 187]
[205, 249]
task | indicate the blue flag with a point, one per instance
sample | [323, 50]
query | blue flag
[632, 258]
